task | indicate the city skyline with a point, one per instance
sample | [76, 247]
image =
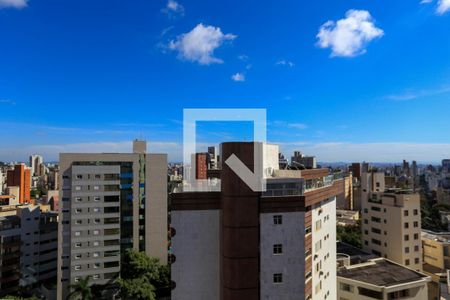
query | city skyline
[127, 70]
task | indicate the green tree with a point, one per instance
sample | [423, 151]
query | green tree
[142, 276]
[349, 234]
[81, 289]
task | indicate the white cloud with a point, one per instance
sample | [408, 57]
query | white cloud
[7, 101]
[297, 125]
[426, 1]
[199, 44]
[13, 3]
[371, 152]
[243, 57]
[443, 7]
[238, 77]
[284, 62]
[173, 8]
[51, 151]
[415, 94]
[349, 37]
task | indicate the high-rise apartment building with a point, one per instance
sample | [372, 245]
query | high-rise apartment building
[355, 168]
[9, 255]
[345, 199]
[20, 177]
[309, 162]
[30, 234]
[35, 164]
[240, 244]
[109, 203]
[391, 226]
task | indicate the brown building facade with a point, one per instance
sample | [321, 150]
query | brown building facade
[241, 244]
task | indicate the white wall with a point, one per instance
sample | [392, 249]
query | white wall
[196, 270]
[327, 253]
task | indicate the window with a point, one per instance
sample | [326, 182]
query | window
[77, 267]
[416, 212]
[407, 262]
[416, 236]
[308, 230]
[96, 209]
[416, 224]
[416, 260]
[97, 176]
[96, 232]
[78, 188]
[277, 249]
[406, 237]
[78, 210]
[78, 199]
[405, 213]
[76, 279]
[96, 187]
[96, 198]
[416, 248]
[318, 225]
[376, 230]
[95, 243]
[77, 233]
[96, 254]
[78, 222]
[77, 245]
[79, 176]
[77, 256]
[406, 249]
[278, 219]
[96, 265]
[318, 287]
[406, 225]
[95, 276]
[319, 266]
[346, 287]
[97, 221]
[278, 278]
[375, 219]
[376, 242]
[318, 245]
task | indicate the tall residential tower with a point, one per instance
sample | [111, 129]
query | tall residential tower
[110, 202]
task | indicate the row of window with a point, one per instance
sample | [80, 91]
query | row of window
[113, 242]
[106, 188]
[97, 176]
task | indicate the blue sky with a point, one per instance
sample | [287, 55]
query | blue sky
[342, 80]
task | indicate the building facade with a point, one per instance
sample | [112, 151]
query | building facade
[20, 177]
[241, 244]
[110, 203]
[391, 227]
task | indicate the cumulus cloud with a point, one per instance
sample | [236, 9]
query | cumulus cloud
[13, 3]
[238, 77]
[199, 44]
[284, 62]
[443, 6]
[173, 8]
[349, 37]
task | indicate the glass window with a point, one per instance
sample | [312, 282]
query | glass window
[277, 278]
